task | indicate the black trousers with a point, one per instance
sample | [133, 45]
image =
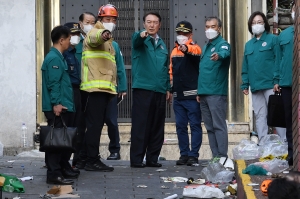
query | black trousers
[286, 93]
[81, 149]
[148, 121]
[56, 161]
[94, 115]
[79, 101]
[111, 120]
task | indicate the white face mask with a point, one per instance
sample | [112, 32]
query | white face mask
[87, 28]
[75, 39]
[181, 39]
[211, 33]
[293, 15]
[257, 29]
[109, 26]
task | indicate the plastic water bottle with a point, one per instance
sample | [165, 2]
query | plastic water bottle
[1, 149]
[24, 142]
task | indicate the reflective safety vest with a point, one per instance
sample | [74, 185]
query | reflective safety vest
[98, 63]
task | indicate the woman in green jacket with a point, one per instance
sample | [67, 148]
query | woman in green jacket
[261, 57]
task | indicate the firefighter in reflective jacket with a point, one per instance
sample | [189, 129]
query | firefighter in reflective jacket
[184, 71]
[99, 80]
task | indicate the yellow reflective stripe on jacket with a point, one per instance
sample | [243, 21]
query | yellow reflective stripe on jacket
[98, 84]
[90, 43]
[85, 71]
[98, 54]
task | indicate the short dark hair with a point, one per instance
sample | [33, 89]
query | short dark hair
[152, 13]
[282, 188]
[254, 14]
[59, 32]
[216, 18]
[81, 17]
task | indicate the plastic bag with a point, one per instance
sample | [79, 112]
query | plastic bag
[275, 149]
[271, 138]
[209, 173]
[14, 182]
[246, 150]
[203, 192]
[273, 166]
[224, 176]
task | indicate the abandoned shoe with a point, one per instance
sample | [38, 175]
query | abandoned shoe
[97, 166]
[192, 160]
[182, 160]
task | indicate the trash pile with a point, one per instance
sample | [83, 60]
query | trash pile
[271, 151]
[217, 180]
[270, 155]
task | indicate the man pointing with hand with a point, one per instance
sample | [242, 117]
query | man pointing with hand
[99, 80]
[213, 87]
[151, 90]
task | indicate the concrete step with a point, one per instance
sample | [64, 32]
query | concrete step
[171, 137]
[170, 151]
[171, 127]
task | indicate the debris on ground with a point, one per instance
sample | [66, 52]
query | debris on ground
[61, 191]
[141, 186]
[203, 191]
[26, 178]
[174, 179]
[172, 196]
[255, 170]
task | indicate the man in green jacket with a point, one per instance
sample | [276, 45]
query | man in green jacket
[286, 42]
[57, 101]
[151, 86]
[213, 87]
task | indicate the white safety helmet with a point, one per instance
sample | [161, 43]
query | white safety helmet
[227, 163]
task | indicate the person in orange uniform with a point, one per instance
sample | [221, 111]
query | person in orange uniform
[184, 72]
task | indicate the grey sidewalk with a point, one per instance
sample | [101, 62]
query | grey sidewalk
[120, 184]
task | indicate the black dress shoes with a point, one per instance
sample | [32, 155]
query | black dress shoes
[75, 170]
[137, 165]
[80, 164]
[59, 181]
[114, 156]
[153, 164]
[69, 174]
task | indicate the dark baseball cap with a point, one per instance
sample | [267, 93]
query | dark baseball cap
[74, 27]
[184, 26]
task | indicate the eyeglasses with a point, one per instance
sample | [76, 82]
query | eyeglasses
[257, 22]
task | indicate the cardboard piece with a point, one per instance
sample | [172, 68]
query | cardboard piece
[60, 190]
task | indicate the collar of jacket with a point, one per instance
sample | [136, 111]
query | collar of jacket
[216, 40]
[158, 41]
[262, 38]
[81, 36]
[70, 49]
[57, 52]
[189, 42]
[292, 28]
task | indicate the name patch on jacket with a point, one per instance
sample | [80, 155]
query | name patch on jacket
[56, 67]
[224, 47]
